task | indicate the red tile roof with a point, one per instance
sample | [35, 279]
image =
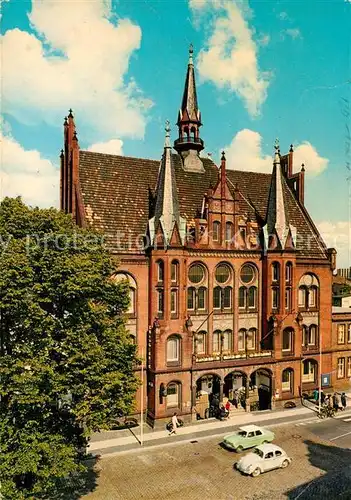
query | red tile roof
[117, 192]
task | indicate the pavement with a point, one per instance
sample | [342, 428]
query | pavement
[112, 442]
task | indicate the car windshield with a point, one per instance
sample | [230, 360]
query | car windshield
[242, 433]
[258, 452]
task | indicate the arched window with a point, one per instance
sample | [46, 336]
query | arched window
[217, 297]
[288, 273]
[302, 297]
[305, 335]
[308, 292]
[222, 295]
[174, 271]
[241, 339]
[160, 271]
[312, 297]
[229, 231]
[242, 297]
[252, 297]
[288, 339]
[160, 302]
[288, 380]
[193, 132]
[173, 395]
[288, 299]
[251, 337]
[173, 350]
[309, 370]
[191, 298]
[201, 342]
[216, 341]
[201, 298]
[132, 291]
[216, 230]
[227, 340]
[174, 302]
[275, 298]
[227, 297]
[275, 272]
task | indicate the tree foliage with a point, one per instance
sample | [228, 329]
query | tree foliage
[62, 339]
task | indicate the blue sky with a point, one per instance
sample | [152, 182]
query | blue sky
[264, 69]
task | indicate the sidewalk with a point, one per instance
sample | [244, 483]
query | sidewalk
[129, 439]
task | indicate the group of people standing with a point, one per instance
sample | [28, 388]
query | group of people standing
[337, 401]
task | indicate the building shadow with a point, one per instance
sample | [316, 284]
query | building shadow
[335, 483]
[76, 486]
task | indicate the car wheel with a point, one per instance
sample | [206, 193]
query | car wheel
[285, 463]
[264, 442]
[239, 449]
[256, 472]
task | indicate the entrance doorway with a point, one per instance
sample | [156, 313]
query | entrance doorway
[261, 383]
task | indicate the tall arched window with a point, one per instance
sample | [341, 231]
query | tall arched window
[248, 291]
[288, 273]
[227, 340]
[305, 335]
[251, 338]
[252, 297]
[201, 342]
[216, 230]
[173, 350]
[241, 339]
[222, 292]
[174, 272]
[312, 335]
[288, 380]
[229, 231]
[160, 271]
[308, 292]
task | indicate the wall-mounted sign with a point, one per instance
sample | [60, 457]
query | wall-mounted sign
[326, 380]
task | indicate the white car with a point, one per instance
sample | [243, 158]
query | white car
[263, 458]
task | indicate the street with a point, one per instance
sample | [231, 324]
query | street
[201, 468]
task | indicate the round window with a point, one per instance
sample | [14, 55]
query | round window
[247, 274]
[196, 273]
[222, 273]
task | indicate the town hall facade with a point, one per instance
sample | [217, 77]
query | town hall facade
[230, 281]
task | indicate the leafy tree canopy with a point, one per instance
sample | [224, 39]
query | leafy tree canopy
[62, 340]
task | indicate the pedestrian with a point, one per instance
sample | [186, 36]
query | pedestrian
[335, 402]
[338, 401]
[316, 394]
[175, 424]
[227, 407]
[235, 400]
[343, 401]
[322, 398]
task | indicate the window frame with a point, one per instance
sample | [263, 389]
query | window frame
[290, 372]
[289, 331]
[160, 271]
[173, 361]
[174, 293]
[216, 233]
[309, 379]
[341, 362]
[175, 268]
[216, 335]
[275, 295]
[348, 366]
[275, 272]
[341, 342]
[288, 273]
[229, 225]
[160, 300]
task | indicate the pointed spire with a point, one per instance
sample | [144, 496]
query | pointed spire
[302, 167]
[189, 101]
[167, 206]
[277, 218]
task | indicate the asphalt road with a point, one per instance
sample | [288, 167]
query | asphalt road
[337, 429]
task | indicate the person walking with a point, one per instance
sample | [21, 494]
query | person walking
[343, 400]
[227, 407]
[335, 402]
[175, 424]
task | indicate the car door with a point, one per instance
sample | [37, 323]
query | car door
[250, 440]
[269, 461]
[259, 438]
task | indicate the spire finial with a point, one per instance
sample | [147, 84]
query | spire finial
[291, 150]
[277, 151]
[276, 145]
[191, 51]
[302, 167]
[223, 156]
[167, 136]
[70, 113]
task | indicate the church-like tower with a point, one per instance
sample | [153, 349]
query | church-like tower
[189, 143]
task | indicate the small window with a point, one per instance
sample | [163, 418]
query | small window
[201, 298]
[174, 302]
[278, 453]
[216, 231]
[302, 297]
[341, 367]
[287, 380]
[131, 308]
[304, 335]
[349, 367]
[275, 271]
[258, 433]
[201, 343]
[288, 273]
[341, 334]
[173, 349]
[251, 339]
[216, 339]
[160, 271]
[251, 435]
[242, 297]
[229, 231]
[288, 299]
[309, 371]
[252, 297]
[227, 297]
[247, 274]
[217, 295]
[160, 303]
[191, 298]
[174, 272]
[312, 335]
[287, 339]
[227, 340]
[222, 273]
[312, 297]
[275, 298]
[196, 273]
[241, 340]
[269, 455]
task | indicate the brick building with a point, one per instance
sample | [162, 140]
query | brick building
[230, 281]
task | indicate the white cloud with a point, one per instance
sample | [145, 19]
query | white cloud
[294, 33]
[112, 147]
[26, 173]
[245, 153]
[307, 154]
[230, 57]
[79, 58]
[337, 235]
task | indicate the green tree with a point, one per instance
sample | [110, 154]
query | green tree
[62, 339]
